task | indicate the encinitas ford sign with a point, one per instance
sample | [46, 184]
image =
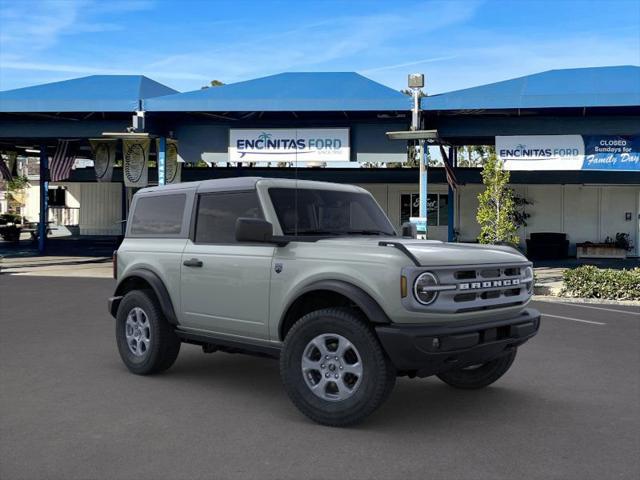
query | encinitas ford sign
[289, 145]
[569, 152]
[541, 152]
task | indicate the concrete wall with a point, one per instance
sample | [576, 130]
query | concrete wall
[100, 206]
[584, 212]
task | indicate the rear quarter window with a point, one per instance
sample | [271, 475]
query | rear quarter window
[158, 215]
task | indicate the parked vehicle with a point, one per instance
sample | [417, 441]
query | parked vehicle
[314, 274]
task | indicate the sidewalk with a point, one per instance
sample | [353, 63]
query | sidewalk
[548, 280]
[58, 266]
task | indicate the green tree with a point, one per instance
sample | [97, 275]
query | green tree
[496, 209]
[213, 83]
[474, 155]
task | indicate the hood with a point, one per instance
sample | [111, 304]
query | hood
[439, 253]
[436, 253]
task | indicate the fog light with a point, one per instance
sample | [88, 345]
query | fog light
[435, 343]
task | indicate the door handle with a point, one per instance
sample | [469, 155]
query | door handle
[193, 262]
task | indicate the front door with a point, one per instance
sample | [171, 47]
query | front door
[225, 285]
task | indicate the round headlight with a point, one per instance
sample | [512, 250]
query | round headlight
[422, 288]
[528, 272]
[528, 275]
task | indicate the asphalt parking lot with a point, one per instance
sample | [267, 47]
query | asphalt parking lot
[568, 409]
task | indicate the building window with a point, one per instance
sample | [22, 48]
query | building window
[437, 208]
[57, 197]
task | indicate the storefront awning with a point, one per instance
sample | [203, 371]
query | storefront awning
[617, 86]
[288, 92]
[96, 93]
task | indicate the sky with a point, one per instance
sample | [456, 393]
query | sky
[185, 44]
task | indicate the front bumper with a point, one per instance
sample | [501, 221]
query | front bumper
[112, 304]
[426, 350]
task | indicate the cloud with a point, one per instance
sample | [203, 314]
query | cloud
[409, 64]
[349, 40]
[89, 70]
[512, 56]
[29, 27]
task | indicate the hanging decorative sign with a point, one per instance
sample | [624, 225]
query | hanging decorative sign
[136, 162]
[104, 157]
[541, 152]
[289, 145]
[610, 152]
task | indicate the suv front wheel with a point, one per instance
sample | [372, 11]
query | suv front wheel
[333, 367]
[146, 341]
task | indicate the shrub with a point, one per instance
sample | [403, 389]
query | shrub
[591, 282]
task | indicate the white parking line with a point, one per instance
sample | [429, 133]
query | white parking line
[600, 308]
[573, 319]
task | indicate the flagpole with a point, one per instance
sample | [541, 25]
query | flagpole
[44, 199]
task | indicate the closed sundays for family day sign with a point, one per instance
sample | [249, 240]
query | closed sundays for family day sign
[569, 152]
[289, 145]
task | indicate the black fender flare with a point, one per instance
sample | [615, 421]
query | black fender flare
[372, 310]
[158, 287]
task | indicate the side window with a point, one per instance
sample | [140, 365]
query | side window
[218, 212]
[158, 215]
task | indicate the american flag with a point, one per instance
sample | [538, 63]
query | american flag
[4, 170]
[62, 161]
[448, 169]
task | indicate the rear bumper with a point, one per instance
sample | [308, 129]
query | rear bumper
[427, 350]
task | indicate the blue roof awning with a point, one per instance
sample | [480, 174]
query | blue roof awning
[288, 92]
[577, 87]
[96, 93]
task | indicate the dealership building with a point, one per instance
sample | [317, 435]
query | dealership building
[571, 139]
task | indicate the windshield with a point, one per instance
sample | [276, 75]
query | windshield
[328, 212]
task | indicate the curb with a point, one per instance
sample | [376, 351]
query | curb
[546, 290]
[597, 301]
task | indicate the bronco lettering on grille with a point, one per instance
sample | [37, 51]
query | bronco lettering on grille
[489, 284]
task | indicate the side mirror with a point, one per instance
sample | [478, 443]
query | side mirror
[409, 230]
[253, 230]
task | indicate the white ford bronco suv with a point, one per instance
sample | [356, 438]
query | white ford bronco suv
[314, 274]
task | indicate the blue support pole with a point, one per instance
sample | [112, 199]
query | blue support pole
[423, 184]
[450, 199]
[162, 160]
[44, 199]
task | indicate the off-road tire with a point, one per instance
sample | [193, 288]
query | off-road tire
[378, 377]
[164, 344]
[480, 377]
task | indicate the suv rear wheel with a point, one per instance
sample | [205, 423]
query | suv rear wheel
[333, 367]
[479, 376]
[146, 341]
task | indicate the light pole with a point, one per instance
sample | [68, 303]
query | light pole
[416, 83]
